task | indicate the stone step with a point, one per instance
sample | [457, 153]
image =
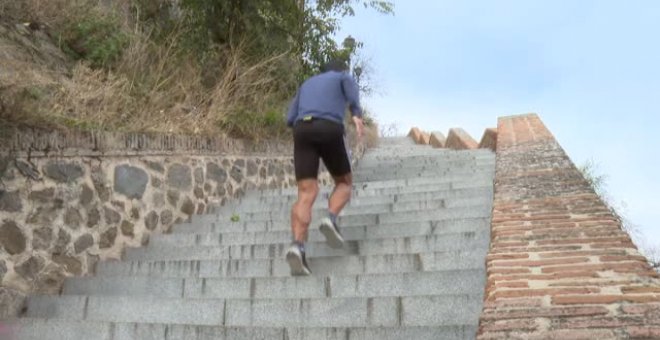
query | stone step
[455, 174]
[383, 187]
[416, 155]
[415, 173]
[363, 180]
[407, 152]
[323, 312]
[385, 176]
[451, 197]
[280, 211]
[411, 189]
[447, 172]
[393, 141]
[350, 233]
[321, 266]
[485, 176]
[365, 285]
[369, 191]
[417, 161]
[448, 165]
[451, 165]
[405, 245]
[411, 216]
[363, 190]
[412, 154]
[34, 329]
[441, 151]
[364, 194]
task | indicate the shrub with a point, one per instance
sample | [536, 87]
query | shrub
[97, 39]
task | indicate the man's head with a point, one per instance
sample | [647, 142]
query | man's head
[334, 65]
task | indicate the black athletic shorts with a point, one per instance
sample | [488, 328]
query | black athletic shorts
[319, 139]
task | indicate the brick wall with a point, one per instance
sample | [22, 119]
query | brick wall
[559, 266]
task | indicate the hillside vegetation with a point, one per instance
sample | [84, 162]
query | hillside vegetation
[179, 66]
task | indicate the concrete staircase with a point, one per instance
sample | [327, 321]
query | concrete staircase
[417, 236]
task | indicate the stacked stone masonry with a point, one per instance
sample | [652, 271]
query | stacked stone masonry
[560, 266]
[63, 208]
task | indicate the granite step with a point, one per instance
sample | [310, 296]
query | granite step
[403, 245]
[469, 281]
[244, 224]
[354, 233]
[406, 311]
[34, 329]
[321, 266]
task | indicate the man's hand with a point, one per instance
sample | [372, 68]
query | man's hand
[359, 126]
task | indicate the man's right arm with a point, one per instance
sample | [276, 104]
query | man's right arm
[352, 93]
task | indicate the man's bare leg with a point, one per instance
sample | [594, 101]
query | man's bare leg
[341, 194]
[301, 213]
[338, 200]
[301, 216]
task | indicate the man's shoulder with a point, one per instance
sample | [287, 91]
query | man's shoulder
[321, 80]
[327, 76]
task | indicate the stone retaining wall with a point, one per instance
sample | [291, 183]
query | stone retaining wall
[64, 207]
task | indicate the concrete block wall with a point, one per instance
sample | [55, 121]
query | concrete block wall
[559, 265]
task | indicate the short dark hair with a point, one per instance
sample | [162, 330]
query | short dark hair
[334, 65]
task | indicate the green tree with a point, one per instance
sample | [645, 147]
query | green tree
[304, 28]
[321, 23]
[266, 26]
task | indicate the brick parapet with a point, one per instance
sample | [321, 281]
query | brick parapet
[459, 139]
[489, 139]
[437, 140]
[416, 135]
[560, 265]
[425, 138]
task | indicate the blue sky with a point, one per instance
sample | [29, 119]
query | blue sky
[589, 68]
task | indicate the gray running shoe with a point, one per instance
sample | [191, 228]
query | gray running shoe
[331, 232]
[297, 262]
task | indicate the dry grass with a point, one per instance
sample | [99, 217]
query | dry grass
[154, 87]
[370, 136]
[52, 13]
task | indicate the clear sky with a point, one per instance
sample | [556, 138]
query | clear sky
[589, 68]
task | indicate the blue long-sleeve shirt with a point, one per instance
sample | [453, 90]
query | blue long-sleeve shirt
[325, 96]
